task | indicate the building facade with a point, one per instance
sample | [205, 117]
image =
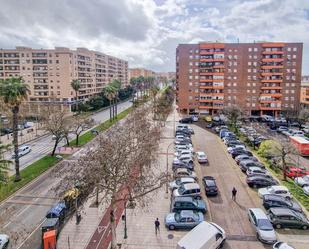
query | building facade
[49, 72]
[304, 92]
[136, 72]
[261, 78]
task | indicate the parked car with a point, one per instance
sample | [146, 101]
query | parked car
[270, 201]
[188, 189]
[185, 219]
[260, 181]
[178, 182]
[256, 171]
[275, 190]
[210, 185]
[4, 241]
[194, 118]
[179, 153]
[287, 218]
[235, 146]
[5, 131]
[293, 172]
[188, 203]
[262, 225]
[186, 120]
[201, 157]
[186, 158]
[180, 164]
[240, 158]
[184, 172]
[184, 147]
[306, 190]
[282, 245]
[280, 129]
[238, 152]
[23, 150]
[246, 164]
[302, 181]
[191, 130]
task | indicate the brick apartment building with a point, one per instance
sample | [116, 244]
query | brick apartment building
[304, 92]
[261, 78]
[136, 72]
[49, 72]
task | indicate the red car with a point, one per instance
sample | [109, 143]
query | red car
[293, 172]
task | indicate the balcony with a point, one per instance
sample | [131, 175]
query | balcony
[276, 95]
[272, 59]
[206, 59]
[270, 100]
[272, 52]
[270, 108]
[271, 88]
[206, 80]
[272, 66]
[272, 80]
[273, 45]
[218, 66]
[205, 106]
[271, 73]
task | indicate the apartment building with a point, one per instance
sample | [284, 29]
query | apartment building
[49, 72]
[136, 72]
[304, 92]
[261, 78]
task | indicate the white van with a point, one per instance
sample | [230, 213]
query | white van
[206, 235]
[22, 150]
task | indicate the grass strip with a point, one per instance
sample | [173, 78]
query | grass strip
[88, 136]
[27, 175]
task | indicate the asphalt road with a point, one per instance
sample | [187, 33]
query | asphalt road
[42, 146]
[23, 213]
[228, 214]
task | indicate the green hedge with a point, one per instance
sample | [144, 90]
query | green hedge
[27, 174]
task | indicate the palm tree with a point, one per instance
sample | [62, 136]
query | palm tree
[109, 92]
[133, 83]
[75, 84]
[13, 91]
[117, 85]
[3, 163]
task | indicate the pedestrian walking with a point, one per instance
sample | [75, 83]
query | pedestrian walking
[157, 226]
[234, 192]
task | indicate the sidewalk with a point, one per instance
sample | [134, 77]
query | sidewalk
[140, 221]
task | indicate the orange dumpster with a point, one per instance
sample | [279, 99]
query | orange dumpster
[49, 240]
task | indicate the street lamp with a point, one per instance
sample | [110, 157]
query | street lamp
[166, 185]
[125, 221]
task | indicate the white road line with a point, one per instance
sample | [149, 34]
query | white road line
[24, 240]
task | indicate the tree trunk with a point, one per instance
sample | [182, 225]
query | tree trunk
[97, 196]
[15, 111]
[113, 225]
[77, 139]
[116, 110]
[67, 140]
[110, 110]
[55, 147]
[284, 167]
[113, 103]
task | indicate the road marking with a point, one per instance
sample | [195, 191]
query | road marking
[28, 203]
[37, 197]
[24, 241]
[101, 229]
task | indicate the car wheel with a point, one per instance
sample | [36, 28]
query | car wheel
[258, 236]
[198, 197]
[171, 227]
[6, 245]
[304, 227]
[254, 186]
[278, 226]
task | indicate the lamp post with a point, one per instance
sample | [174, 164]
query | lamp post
[125, 236]
[166, 185]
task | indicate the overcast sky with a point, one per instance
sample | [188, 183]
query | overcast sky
[146, 32]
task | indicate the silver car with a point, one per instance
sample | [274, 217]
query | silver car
[178, 182]
[260, 222]
[4, 241]
[185, 219]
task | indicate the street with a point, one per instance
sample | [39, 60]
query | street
[22, 214]
[43, 145]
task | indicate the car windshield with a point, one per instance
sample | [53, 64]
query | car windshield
[177, 217]
[265, 225]
[210, 183]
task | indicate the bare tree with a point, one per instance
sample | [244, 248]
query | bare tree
[303, 117]
[78, 124]
[233, 114]
[122, 166]
[282, 150]
[55, 123]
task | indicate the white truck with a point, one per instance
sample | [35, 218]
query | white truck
[206, 235]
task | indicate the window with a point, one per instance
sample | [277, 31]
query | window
[191, 57]
[249, 49]
[254, 70]
[286, 91]
[235, 63]
[196, 51]
[294, 56]
[190, 83]
[253, 91]
[253, 104]
[196, 77]
[288, 70]
[249, 70]
[250, 56]
[289, 49]
[248, 84]
[235, 77]
[190, 77]
[248, 91]
[294, 49]
[191, 63]
[235, 70]
[249, 77]
[249, 63]
[253, 84]
[235, 56]
[255, 57]
[255, 49]
[196, 63]
[292, 91]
